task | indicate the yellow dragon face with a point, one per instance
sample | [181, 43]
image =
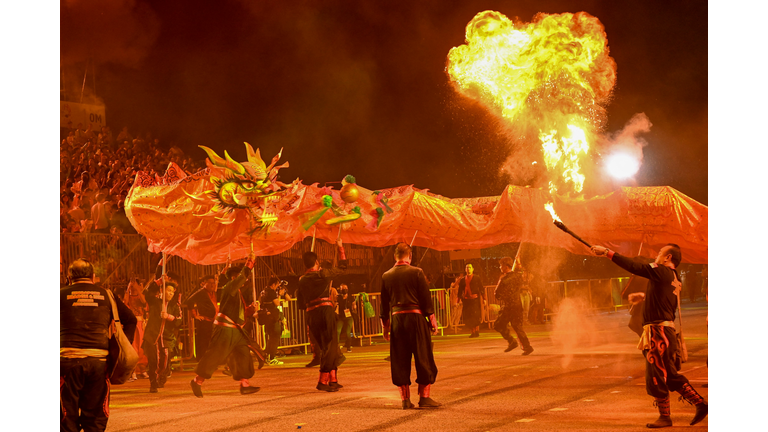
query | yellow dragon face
[248, 185]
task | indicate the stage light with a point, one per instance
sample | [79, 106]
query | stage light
[622, 165]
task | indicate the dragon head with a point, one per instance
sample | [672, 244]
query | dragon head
[248, 185]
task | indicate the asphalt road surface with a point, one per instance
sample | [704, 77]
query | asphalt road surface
[585, 374]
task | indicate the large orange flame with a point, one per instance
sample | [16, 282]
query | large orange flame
[549, 78]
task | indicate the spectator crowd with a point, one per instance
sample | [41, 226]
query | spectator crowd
[98, 169]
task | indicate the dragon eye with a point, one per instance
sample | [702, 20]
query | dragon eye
[247, 184]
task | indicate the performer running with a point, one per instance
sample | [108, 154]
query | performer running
[508, 291]
[313, 296]
[405, 289]
[659, 341]
[229, 341]
[472, 294]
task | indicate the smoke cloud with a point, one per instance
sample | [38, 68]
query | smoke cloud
[118, 31]
[628, 139]
[96, 32]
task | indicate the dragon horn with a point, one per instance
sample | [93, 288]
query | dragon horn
[215, 159]
[275, 159]
[254, 157]
[233, 164]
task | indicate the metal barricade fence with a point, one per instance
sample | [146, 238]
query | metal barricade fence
[296, 324]
[115, 258]
[370, 327]
[456, 316]
[491, 312]
[442, 305]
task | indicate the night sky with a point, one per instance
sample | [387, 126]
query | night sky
[359, 87]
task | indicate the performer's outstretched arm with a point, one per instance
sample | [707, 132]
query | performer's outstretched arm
[643, 270]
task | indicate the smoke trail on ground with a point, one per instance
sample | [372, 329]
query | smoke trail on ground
[573, 331]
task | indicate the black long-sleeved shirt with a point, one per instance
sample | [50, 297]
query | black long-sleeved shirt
[316, 284]
[232, 303]
[405, 285]
[201, 301]
[508, 289]
[660, 299]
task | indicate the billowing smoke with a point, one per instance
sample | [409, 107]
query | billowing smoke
[628, 139]
[119, 31]
[573, 331]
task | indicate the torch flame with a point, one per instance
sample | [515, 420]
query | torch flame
[551, 209]
[549, 78]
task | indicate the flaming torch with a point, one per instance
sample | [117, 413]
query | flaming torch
[558, 223]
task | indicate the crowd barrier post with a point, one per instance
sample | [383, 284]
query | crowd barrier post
[370, 327]
[296, 324]
[492, 313]
[442, 307]
[456, 316]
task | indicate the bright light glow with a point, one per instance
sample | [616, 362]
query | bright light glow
[622, 165]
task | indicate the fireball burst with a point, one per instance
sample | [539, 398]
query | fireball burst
[549, 78]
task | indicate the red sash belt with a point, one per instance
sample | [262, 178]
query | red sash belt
[316, 303]
[225, 321]
[406, 308]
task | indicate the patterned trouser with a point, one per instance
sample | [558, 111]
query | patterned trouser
[661, 376]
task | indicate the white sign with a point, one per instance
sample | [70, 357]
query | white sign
[73, 114]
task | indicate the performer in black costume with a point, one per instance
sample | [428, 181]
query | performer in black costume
[85, 317]
[203, 306]
[229, 341]
[313, 296]
[659, 341]
[170, 333]
[155, 345]
[508, 292]
[472, 295]
[405, 291]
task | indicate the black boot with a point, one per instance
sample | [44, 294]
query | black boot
[512, 344]
[424, 400]
[334, 382]
[197, 389]
[324, 382]
[248, 390]
[690, 395]
[405, 396]
[664, 420]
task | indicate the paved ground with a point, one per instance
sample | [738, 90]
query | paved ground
[585, 374]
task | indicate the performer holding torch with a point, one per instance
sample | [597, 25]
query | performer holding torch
[659, 340]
